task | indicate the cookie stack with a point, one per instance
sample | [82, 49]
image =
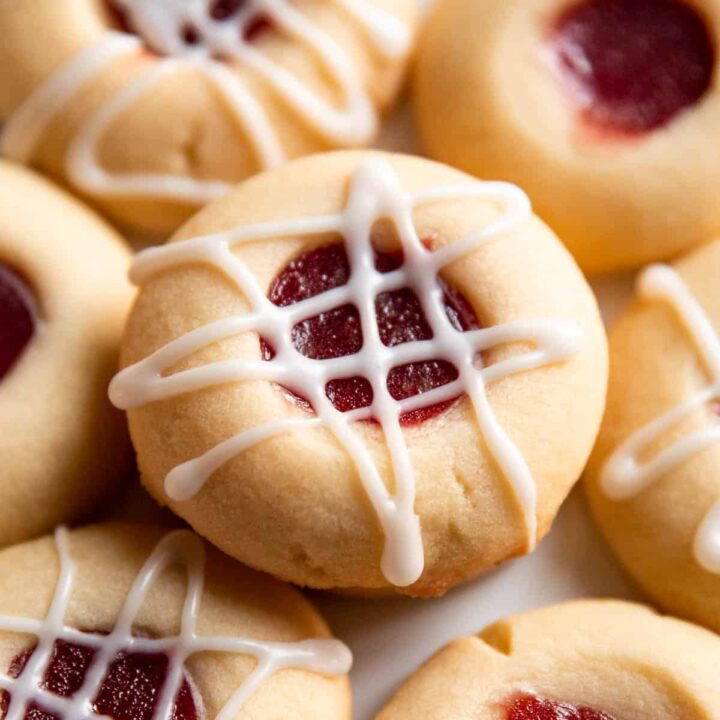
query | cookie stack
[349, 369]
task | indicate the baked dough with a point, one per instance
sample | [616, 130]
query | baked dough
[149, 127]
[63, 446]
[653, 482]
[615, 657]
[240, 644]
[328, 499]
[493, 96]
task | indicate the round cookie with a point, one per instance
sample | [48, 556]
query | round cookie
[605, 111]
[299, 389]
[64, 298]
[584, 660]
[654, 480]
[128, 621]
[150, 108]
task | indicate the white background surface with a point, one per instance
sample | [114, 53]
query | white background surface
[390, 638]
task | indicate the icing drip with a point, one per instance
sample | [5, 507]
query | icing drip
[163, 24]
[326, 656]
[375, 193]
[624, 476]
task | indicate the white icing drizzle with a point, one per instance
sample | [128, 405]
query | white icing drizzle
[161, 24]
[325, 656]
[375, 193]
[623, 475]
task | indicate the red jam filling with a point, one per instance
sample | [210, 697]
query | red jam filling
[129, 691]
[218, 10]
[337, 333]
[633, 65]
[17, 317]
[530, 707]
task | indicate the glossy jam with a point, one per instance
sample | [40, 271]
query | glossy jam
[633, 65]
[17, 317]
[220, 10]
[337, 333]
[129, 692]
[530, 707]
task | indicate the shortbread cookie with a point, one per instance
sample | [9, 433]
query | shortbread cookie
[132, 622]
[64, 298]
[607, 112]
[150, 108]
[585, 660]
[305, 391]
[654, 480]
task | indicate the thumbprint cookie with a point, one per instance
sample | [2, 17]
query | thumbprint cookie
[364, 370]
[150, 108]
[64, 299]
[584, 660]
[654, 479]
[131, 622]
[606, 111]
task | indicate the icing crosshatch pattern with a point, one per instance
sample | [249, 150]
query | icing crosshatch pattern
[375, 193]
[325, 656]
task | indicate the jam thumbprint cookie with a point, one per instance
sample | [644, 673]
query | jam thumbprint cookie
[584, 660]
[364, 370]
[64, 299]
[130, 622]
[150, 108]
[606, 111]
[654, 480]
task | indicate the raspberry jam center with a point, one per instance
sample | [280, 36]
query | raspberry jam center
[338, 332]
[633, 65]
[17, 317]
[190, 34]
[530, 707]
[130, 690]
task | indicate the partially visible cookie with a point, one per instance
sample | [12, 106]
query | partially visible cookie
[136, 622]
[64, 298]
[584, 660]
[654, 477]
[607, 112]
[150, 109]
